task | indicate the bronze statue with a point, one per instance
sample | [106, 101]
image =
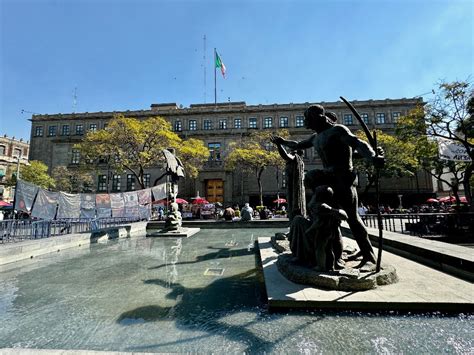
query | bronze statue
[174, 168]
[295, 195]
[335, 145]
[324, 229]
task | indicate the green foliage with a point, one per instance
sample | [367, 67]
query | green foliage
[449, 116]
[129, 144]
[71, 181]
[254, 154]
[193, 154]
[400, 160]
[37, 173]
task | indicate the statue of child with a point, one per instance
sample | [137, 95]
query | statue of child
[324, 231]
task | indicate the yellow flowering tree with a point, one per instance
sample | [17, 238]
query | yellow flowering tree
[129, 144]
[254, 154]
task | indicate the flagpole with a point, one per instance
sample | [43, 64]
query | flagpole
[215, 79]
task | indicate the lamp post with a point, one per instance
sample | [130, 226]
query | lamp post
[17, 167]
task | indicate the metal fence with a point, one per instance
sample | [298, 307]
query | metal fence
[424, 223]
[15, 230]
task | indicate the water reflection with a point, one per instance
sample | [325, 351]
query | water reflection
[208, 309]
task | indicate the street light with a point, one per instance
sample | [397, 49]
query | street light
[17, 167]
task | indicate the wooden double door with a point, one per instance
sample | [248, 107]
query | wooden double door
[215, 190]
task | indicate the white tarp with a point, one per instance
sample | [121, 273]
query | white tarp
[144, 196]
[87, 205]
[25, 194]
[450, 150]
[159, 191]
[45, 204]
[102, 205]
[118, 205]
[144, 203]
[131, 204]
[69, 205]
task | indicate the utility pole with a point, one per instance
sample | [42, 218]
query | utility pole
[204, 67]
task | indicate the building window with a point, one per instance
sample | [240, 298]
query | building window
[237, 123]
[178, 127]
[365, 118]
[268, 122]
[348, 119]
[207, 125]
[76, 156]
[252, 122]
[3, 150]
[116, 182]
[222, 124]
[65, 130]
[299, 121]
[192, 125]
[39, 131]
[146, 180]
[51, 131]
[283, 122]
[380, 118]
[214, 151]
[105, 125]
[93, 127]
[130, 182]
[79, 129]
[395, 116]
[17, 153]
[102, 183]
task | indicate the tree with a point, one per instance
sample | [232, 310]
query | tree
[37, 174]
[193, 154]
[448, 116]
[255, 154]
[71, 181]
[399, 159]
[135, 145]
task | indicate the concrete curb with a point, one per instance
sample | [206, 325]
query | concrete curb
[29, 249]
[450, 258]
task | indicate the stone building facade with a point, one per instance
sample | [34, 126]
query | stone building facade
[13, 154]
[53, 137]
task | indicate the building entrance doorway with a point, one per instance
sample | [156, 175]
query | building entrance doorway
[215, 190]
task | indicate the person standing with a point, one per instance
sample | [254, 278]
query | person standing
[246, 214]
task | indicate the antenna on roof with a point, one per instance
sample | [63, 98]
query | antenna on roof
[24, 111]
[74, 100]
[204, 65]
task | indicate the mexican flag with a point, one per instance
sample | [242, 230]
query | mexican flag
[220, 64]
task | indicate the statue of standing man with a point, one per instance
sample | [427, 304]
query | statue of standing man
[335, 144]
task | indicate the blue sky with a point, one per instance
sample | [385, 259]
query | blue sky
[126, 55]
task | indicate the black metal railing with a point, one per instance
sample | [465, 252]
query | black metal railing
[424, 223]
[15, 230]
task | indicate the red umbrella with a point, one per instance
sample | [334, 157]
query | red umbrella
[199, 201]
[163, 201]
[452, 199]
[279, 200]
[432, 200]
[5, 204]
[447, 199]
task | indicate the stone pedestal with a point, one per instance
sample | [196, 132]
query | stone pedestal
[181, 232]
[347, 279]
